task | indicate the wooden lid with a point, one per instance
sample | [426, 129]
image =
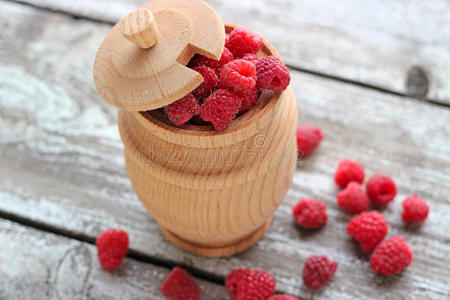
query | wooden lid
[141, 64]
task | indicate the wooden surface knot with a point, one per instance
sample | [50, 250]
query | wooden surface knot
[73, 272]
[417, 82]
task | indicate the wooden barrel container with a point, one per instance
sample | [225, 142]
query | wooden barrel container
[213, 193]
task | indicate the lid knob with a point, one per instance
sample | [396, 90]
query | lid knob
[140, 28]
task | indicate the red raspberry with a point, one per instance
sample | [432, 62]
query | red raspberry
[282, 297]
[353, 199]
[318, 271]
[391, 256]
[272, 74]
[249, 284]
[369, 229]
[216, 65]
[310, 213]
[348, 170]
[182, 110]
[381, 189]
[241, 41]
[238, 75]
[220, 108]
[308, 139]
[248, 98]
[112, 245]
[251, 57]
[414, 209]
[180, 286]
[208, 84]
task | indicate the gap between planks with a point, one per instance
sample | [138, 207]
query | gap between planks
[133, 254]
[365, 85]
[299, 69]
[56, 267]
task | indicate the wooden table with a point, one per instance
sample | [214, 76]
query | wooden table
[374, 76]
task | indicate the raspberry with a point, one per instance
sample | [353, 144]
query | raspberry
[310, 213]
[272, 74]
[220, 108]
[414, 209]
[251, 57]
[282, 297]
[216, 65]
[248, 98]
[208, 84]
[308, 139]
[112, 245]
[368, 229]
[348, 170]
[318, 271]
[249, 284]
[182, 110]
[180, 286]
[391, 256]
[238, 75]
[381, 189]
[241, 41]
[353, 199]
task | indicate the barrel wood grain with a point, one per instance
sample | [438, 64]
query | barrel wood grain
[61, 163]
[216, 196]
[40, 265]
[400, 46]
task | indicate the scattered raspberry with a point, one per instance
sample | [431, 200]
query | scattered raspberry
[182, 110]
[248, 98]
[238, 75]
[391, 256]
[249, 284]
[251, 57]
[208, 84]
[282, 297]
[180, 286]
[353, 199]
[348, 170]
[310, 213]
[381, 189]
[414, 209]
[216, 65]
[112, 245]
[369, 229]
[241, 41]
[308, 139]
[272, 74]
[220, 108]
[318, 271]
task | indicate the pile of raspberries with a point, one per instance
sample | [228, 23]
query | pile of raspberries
[389, 256]
[231, 85]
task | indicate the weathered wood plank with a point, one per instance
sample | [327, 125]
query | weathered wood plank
[41, 265]
[377, 43]
[61, 163]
